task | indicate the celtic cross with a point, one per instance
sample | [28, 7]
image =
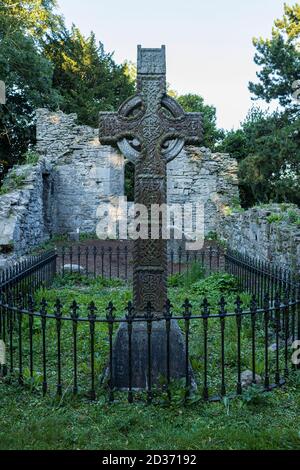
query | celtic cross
[150, 129]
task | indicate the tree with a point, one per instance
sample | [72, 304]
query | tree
[268, 144]
[274, 140]
[195, 103]
[235, 143]
[26, 73]
[33, 17]
[279, 59]
[267, 148]
[45, 65]
[86, 76]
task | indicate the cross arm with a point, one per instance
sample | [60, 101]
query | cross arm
[188, 127]
[113, 128]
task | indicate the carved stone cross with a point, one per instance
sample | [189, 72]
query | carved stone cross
[150, 129]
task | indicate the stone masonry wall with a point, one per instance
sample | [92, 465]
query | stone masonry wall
[22, 216]
[201, 177]
[85, 173]
[75, 174]
[269, 233]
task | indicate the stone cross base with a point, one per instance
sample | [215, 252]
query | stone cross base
[140, 355]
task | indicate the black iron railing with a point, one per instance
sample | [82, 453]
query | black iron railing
[258, 277]
[116, 261]
[70, 348]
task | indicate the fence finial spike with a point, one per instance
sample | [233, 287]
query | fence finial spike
[238, 302]
[110, 312]
[130, 311]
[168, 310]
[222, 305]
[187, 306]
[149, 311]
[92, 311]
[205, 307]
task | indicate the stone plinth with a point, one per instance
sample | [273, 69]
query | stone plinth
[140, 355]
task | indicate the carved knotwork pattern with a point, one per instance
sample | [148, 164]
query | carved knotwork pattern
[149, 252]
[150, 287]
[150, 190]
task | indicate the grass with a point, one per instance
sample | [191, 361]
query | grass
[29, 422]
[254, 421]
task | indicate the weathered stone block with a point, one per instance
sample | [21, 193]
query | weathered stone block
[140, 355]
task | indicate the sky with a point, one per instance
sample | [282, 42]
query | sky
[209, 42]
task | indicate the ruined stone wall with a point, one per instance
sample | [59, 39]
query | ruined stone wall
[269, 233]
[85, 173]
[75, 174]
[201, 177]
[22, 215]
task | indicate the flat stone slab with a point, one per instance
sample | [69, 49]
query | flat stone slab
[74, 268]
[140, 355]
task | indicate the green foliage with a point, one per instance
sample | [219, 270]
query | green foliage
[212, 236]
[99, 426]
[12, 182]
[235, 143]
[71, 423]
[26, 73]
[254, 395]
[83, 236]
[275, 218]
[219, 283]
[267, 146]
[74, 280]
[195, 103]
[293, 216]
[51, 244]
[187, 279]
[268, 150]
[31, 158]
[290, 216]
[279, 59]
[175, 280]
[86, 77]
[43, 64]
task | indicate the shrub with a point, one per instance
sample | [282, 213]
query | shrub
[293, 216]
[212, 236]
[71, 280]
[87, 236]
[275, 218]
[219, 282]
[254, 395]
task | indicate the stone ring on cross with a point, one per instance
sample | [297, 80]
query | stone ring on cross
[131, 148]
